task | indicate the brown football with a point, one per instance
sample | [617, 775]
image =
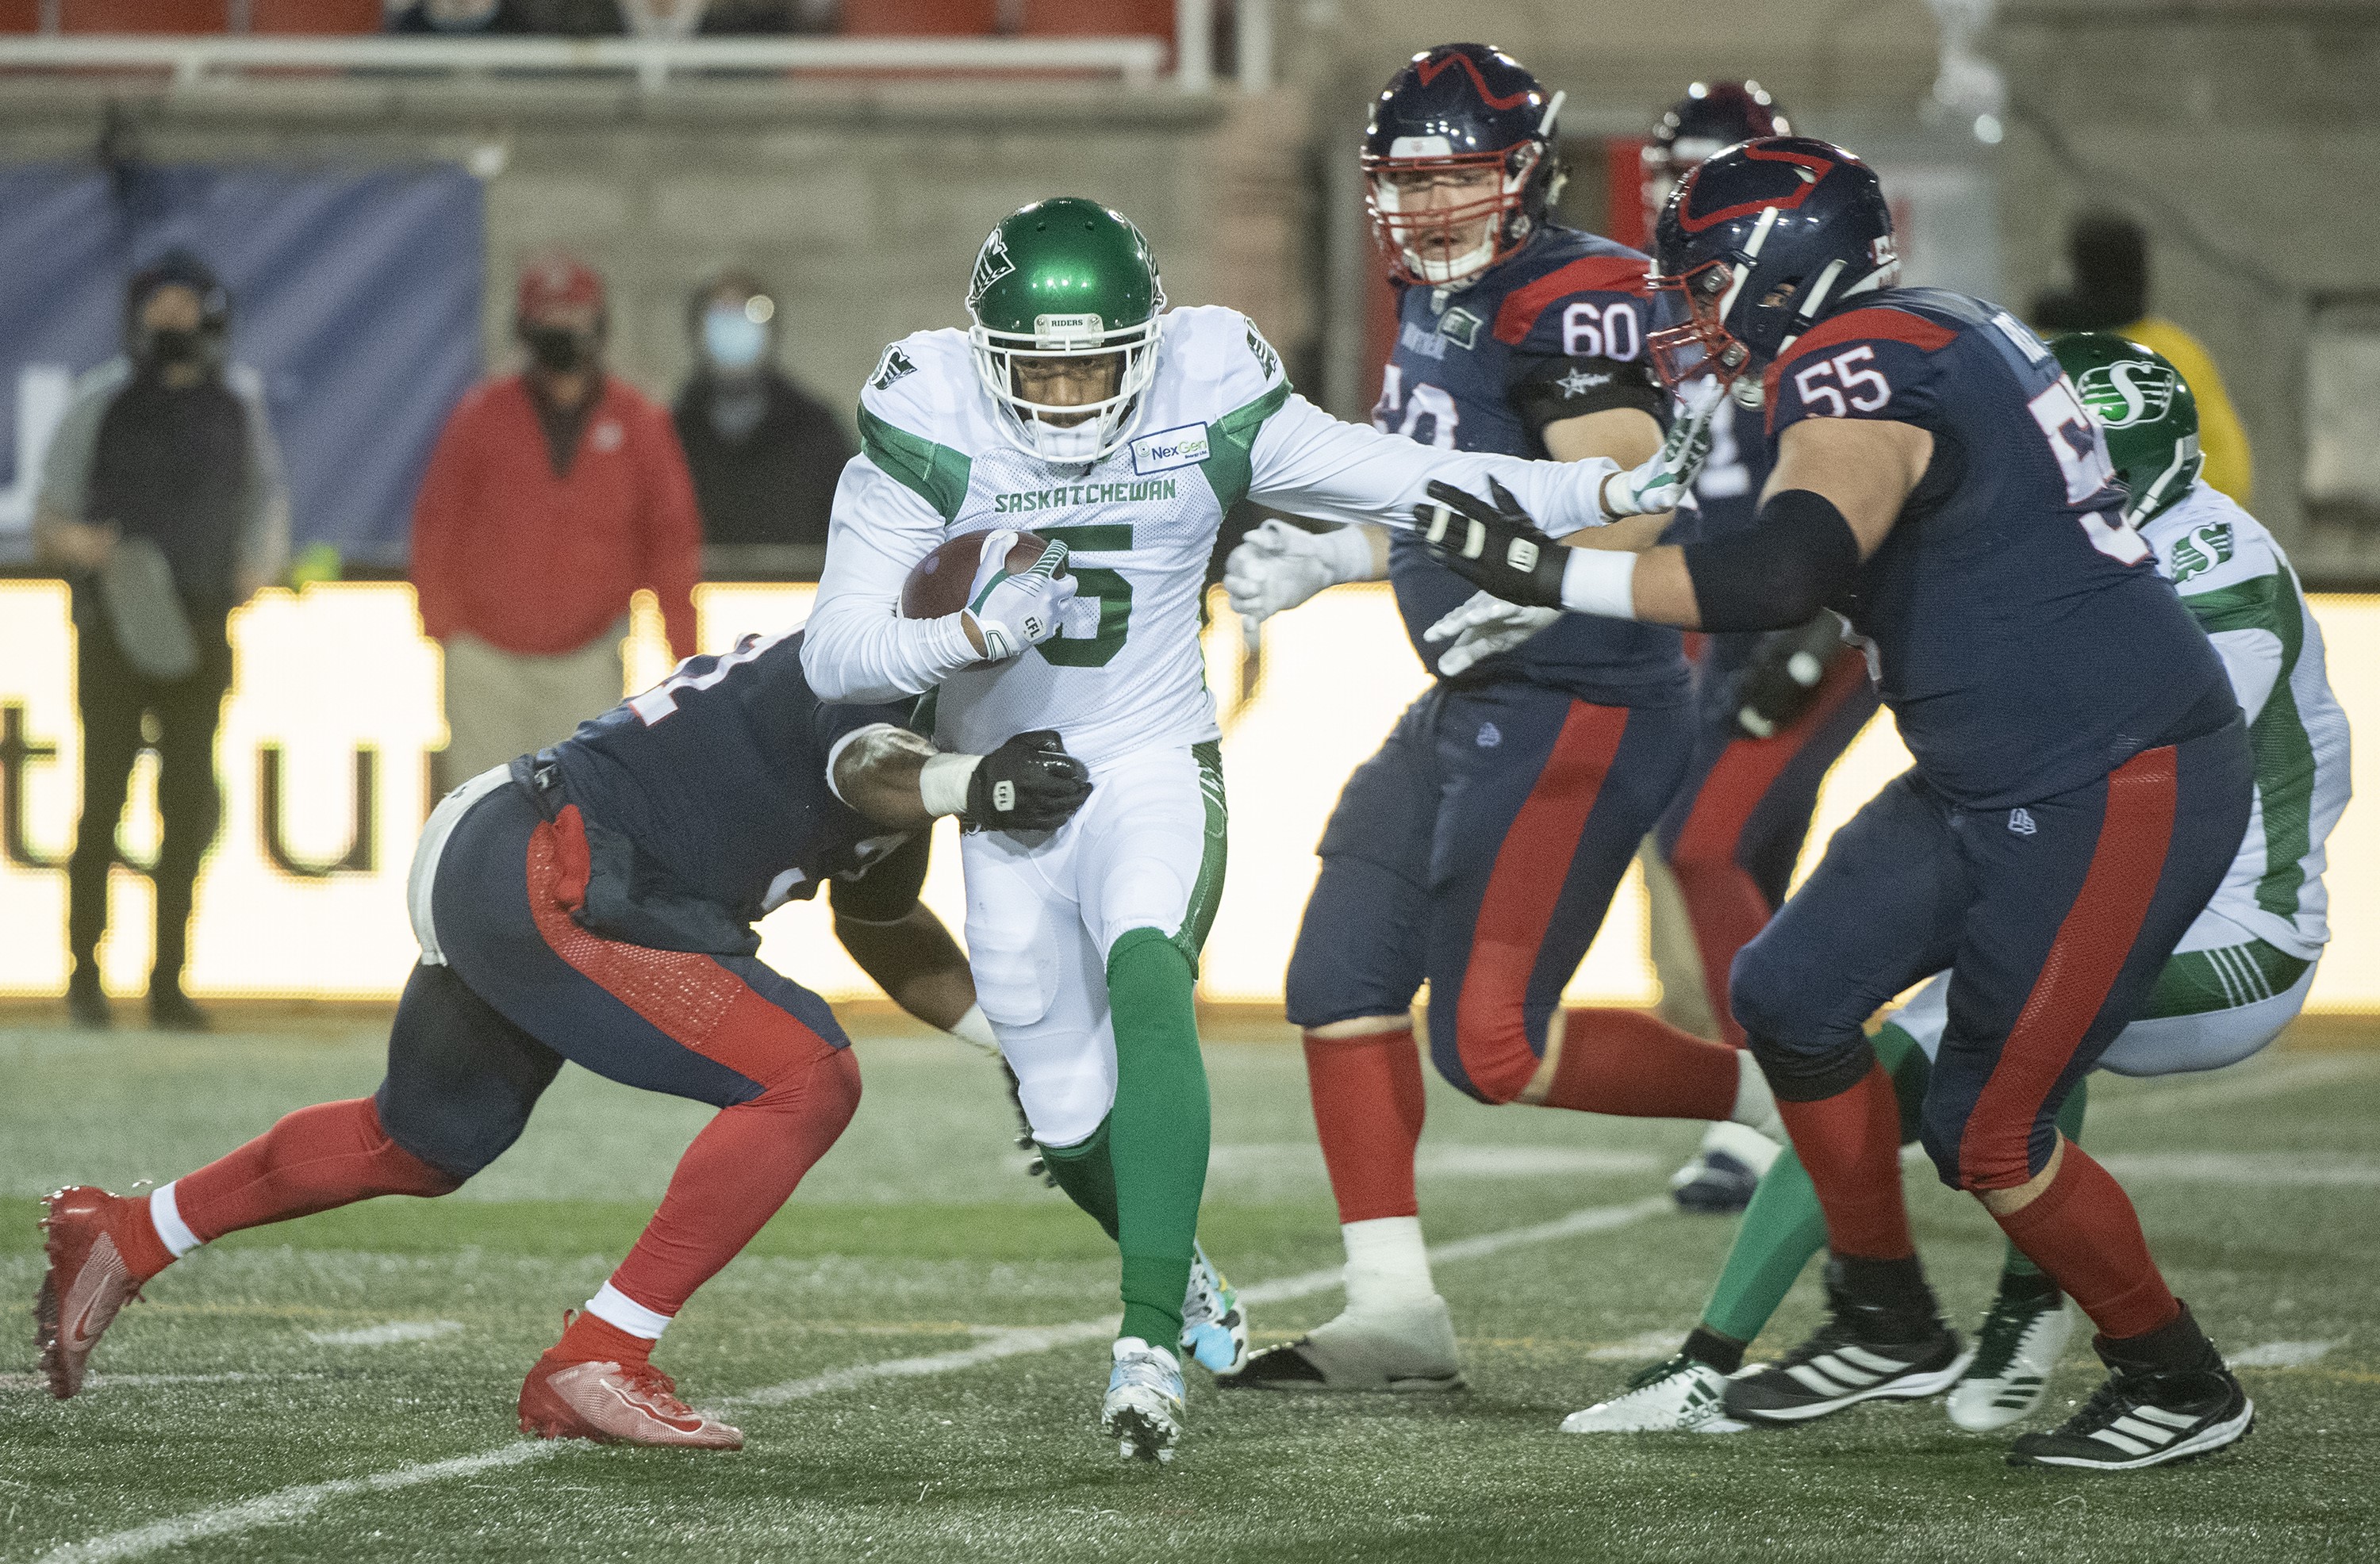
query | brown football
[941, 582]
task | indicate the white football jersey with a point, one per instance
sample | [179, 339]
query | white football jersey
[2234, 578]
[1219, 422]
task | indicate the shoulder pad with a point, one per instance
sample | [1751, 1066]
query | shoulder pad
[1222, 348]
[922, 384]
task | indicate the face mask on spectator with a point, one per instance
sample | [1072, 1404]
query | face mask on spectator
[732, 340]
[176, 344]
[558, 349]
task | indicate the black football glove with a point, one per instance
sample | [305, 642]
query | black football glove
[1782, 678]
[1029, 783]
[1493, 544]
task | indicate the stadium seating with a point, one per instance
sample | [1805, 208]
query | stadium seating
[315, 16]
[143, 16]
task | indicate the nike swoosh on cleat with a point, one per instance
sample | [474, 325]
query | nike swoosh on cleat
[101, 1268]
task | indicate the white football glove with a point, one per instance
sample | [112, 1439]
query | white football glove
[1278, 567]
[1662, 479]
[1016, 612]
[1483, 626]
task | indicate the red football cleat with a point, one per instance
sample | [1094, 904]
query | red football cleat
[87, 1282]
[616, 1403]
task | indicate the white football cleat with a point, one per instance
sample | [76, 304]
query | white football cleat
[1144, 1411]
[1214, 1327]
[1680, 1396]
[2016, 1351]
[1406, 1349]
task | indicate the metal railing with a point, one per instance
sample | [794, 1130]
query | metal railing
[651, 60]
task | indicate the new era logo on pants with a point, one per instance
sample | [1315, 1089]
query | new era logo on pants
[2021, 822]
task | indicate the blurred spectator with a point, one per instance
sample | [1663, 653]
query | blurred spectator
[162, 498]
[2108, 257]
[765, 453]
[553, 495]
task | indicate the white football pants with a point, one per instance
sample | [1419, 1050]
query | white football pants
[1045, 908]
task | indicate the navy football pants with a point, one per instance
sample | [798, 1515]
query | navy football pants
[1734, 832]
[478, 1041]
[2055, 918]
[1479, 849]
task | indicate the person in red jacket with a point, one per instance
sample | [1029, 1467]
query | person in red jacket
[553, 495]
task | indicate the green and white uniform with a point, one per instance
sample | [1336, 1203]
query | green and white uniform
[1124, 680]
[2242, 972]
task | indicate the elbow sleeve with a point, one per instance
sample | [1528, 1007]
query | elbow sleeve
[1799, 553]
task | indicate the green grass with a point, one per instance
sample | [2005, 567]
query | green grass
[919, 1235]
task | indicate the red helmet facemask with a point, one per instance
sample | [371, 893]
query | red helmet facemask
[1405, 236]
[1701, 344]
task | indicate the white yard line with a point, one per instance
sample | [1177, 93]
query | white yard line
[391, 1334]
[296, 1503]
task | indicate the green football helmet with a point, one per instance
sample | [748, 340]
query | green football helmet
[2145, 407]
[1066, 278]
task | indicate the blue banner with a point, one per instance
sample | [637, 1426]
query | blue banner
[356, 296]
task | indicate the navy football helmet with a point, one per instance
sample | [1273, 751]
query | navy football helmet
[1764, 240]
[1452, 115]
[1711, 118]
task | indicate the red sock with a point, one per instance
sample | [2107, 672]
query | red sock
[136, 1239]
[1726, 910]
[1636, 1065]
[2083, 1233]
[735, 1175]
[1367, 1110]
[1849, 1144]
[330, 1155]
[589, 1337]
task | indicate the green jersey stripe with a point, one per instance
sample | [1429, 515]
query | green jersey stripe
[1232, 437]
[938, 474]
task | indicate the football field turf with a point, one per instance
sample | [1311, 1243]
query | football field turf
[914, 1347]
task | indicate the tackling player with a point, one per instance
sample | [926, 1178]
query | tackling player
[2240, 975]
[1479, 849]
[2082, 776]
[594, 903]
[1078, 405]
[1774, 708]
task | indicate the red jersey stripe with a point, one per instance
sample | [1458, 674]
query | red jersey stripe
[2094, 940]
[1605, 274]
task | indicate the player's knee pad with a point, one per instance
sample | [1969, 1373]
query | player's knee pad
[1145, 892]
[1797, 1073]
[1015, 967]
[1491, 1043]
[1065, 1102]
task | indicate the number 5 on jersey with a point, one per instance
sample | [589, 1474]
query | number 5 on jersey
[1093, 584]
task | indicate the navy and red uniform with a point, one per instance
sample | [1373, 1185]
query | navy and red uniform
[1481, 845]
[596, 905]
[1735, 830]
[2082, 776]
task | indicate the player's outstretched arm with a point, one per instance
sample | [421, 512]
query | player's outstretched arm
[899, 942]
[897, 779]
[1837, 488]
[1278, 567]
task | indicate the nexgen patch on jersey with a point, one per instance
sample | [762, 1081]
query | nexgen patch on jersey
[1185, 446]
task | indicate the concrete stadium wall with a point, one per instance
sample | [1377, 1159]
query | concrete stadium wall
[2244, 134]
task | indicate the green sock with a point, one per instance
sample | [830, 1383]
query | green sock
[1088, 1175]
[2070, 1124]
[1160, 1129]
[1784, 1225]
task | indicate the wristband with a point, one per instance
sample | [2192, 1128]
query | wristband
[942, 782]
[1597, 581]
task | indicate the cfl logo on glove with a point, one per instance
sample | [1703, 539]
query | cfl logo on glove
[1521, 555]
[1004, 796]
[1032, 627]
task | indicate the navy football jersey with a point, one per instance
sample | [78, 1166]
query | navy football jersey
[1554, 331]
[2017, 625]
[718, 775]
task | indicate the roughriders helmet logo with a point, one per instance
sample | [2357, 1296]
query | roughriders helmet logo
[2124, 393]
[992, 263]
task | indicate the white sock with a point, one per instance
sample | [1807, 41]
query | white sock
[1755, 1104]
[167, 1218]
[976, 1027]
[1387, 1265]
[616, 1307]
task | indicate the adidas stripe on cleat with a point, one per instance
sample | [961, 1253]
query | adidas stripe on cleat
[1870, 1349]
[2168, 1398]
[1680, 1396]
[2016, 1351]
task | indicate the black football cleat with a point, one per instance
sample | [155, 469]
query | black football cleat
[1872, 1348]
[2168, 1397]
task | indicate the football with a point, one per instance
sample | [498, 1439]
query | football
[945, 579]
